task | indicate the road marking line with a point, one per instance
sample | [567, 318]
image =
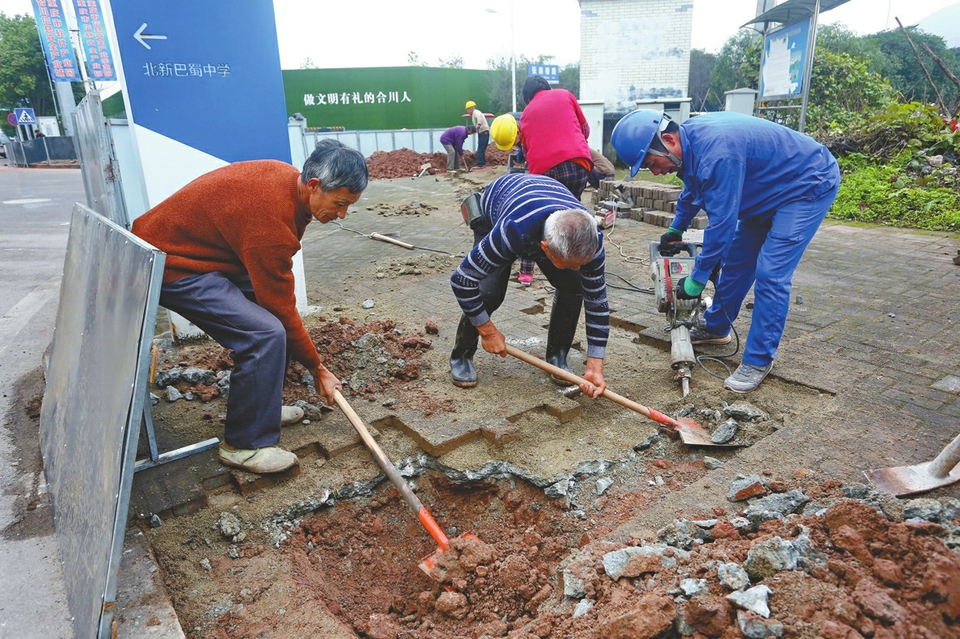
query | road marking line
[23, 311]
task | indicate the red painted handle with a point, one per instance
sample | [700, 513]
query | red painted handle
[434, 529]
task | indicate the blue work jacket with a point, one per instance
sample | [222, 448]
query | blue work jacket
[738, 167]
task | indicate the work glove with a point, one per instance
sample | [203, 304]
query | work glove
[688, 289]
[518, 157]
[671, 237]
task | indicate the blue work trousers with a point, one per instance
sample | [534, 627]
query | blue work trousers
[764, 254]
[482, 140]
[226, 310]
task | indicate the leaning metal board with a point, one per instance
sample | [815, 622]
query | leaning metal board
[96, 384]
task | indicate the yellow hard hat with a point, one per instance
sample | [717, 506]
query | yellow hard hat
[470, 103]
[503, 131]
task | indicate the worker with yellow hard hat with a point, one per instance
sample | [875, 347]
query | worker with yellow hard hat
[504, 131]
[483, 131]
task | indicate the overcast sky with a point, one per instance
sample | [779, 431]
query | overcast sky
[443, 29]
[370, 33]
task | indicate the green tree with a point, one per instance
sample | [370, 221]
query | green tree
[570, 78]
[898, 64]
[454, 62]
[843, 92]
[23, 74]
[24, 81]
[837, 38]
[501, 91]
[500, 96]
[701, 66]
[738, 63]
[413, 59]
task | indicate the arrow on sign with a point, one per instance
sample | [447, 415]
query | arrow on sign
[141, 37]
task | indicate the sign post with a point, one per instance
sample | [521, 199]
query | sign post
[202, 87]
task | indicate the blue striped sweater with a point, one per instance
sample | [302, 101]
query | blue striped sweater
[517, 206]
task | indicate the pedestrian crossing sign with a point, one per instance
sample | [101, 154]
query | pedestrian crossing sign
[25, 116]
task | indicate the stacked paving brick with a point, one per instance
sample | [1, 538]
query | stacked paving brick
[650, 202]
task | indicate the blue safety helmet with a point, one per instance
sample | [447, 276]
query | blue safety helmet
[634, 133]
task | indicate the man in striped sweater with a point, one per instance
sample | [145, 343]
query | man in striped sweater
[533, 217]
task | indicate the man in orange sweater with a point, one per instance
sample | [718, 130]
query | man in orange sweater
[230, 237]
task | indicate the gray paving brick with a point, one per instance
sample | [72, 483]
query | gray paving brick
[840, 340]
[906, 395]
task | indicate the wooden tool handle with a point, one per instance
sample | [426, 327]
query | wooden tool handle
[384, 238]
[391, 471]
[948, 458]
[570, 377]
[378, 454]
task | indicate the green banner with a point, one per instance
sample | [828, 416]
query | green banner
[385, 97]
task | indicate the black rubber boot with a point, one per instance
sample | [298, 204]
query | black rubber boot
[564, 317]
[461, 359]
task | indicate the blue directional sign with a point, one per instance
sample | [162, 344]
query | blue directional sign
[549, 72]
[25, 116]
[206, 74]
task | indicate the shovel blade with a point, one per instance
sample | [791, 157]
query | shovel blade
[693, 434]
[433, 565]
[910, 480]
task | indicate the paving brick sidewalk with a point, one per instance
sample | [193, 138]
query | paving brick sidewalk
[873, 323]
[872, 327]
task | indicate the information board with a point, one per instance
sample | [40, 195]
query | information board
[784, 60]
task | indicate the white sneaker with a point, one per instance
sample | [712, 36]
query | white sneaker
[259, 460]
[746, 378]
[290, 415]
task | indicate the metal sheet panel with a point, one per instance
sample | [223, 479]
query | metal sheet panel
[101, 178]
[93, 404]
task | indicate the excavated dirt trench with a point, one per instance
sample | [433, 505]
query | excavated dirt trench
[350, 558]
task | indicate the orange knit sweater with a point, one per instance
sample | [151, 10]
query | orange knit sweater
[241, 218]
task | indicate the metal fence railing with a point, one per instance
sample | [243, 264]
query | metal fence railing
[43, 150]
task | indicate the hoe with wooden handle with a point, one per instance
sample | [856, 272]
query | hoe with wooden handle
[690, 432]
[429, 563]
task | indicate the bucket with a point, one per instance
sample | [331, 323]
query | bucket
[470, 208]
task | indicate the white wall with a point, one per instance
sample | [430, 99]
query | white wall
[633, 50]
[593, 112]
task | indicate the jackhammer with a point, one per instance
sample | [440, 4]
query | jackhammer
[667, 267]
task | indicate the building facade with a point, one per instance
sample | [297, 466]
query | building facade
[634, 50]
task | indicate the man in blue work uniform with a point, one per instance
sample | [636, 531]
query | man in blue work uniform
[533, 217]
[765, 189]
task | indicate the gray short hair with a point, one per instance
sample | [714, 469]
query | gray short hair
[336, 165]
[571, 234]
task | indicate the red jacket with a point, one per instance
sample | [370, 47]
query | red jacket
[243, 218]
[553, 129]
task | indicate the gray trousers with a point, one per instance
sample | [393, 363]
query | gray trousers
[226, 310]
[453, 161]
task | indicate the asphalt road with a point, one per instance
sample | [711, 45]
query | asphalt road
[35, 209]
